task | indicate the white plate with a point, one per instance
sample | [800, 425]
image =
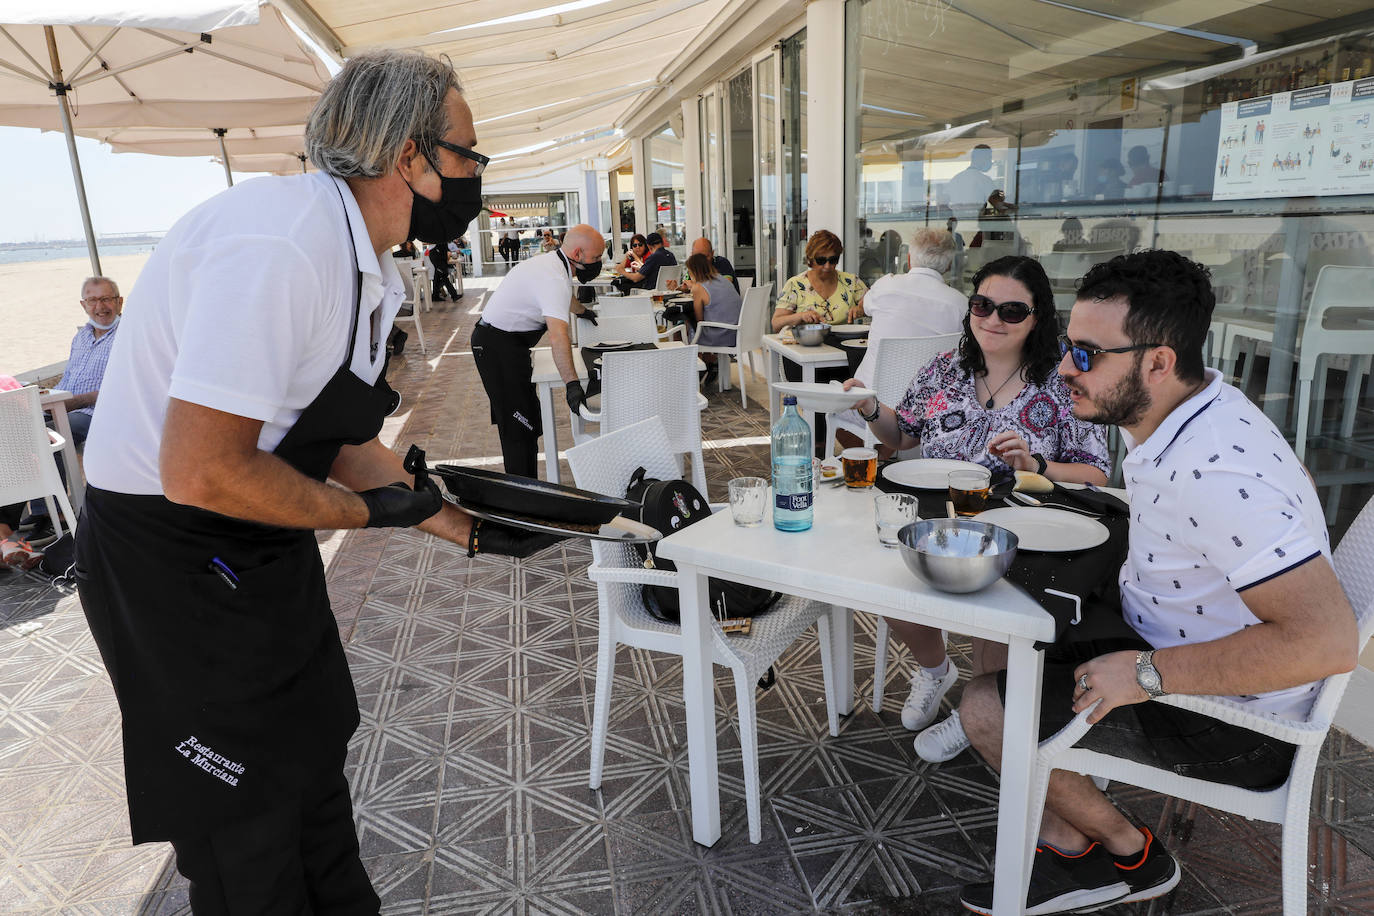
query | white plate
[823, 397]
[927, 473]
[850, 330]
[859, 342]
[1048, 529]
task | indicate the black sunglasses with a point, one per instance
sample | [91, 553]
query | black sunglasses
[1010, 312]
[466, 154]
[1083, 356]
[833, 259]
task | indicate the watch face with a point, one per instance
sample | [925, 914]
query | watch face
[1149, 679]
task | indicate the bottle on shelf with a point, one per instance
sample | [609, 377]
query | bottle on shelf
[792, 474]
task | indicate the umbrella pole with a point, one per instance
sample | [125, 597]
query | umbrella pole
[61, 89]
[224, 155]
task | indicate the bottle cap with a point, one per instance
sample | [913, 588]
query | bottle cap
[789, 399]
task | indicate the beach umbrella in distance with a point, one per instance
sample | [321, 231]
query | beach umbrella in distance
[76, 64]
[246, 149]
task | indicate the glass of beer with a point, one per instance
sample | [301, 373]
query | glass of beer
[860, 467]
[968, 490]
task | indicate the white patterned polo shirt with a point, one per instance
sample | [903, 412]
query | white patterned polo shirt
[1219, 504]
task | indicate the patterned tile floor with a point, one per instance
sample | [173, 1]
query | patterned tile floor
[469, 770]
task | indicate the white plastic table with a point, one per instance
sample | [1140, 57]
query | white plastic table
[809, 358]
[55, 401]
[860, 575]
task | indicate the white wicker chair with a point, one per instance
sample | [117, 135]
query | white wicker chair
[896, 361]
[413, 279]
[604, 465]
[638, 384]
[1289, 804]
[748, 336]
[28, 469]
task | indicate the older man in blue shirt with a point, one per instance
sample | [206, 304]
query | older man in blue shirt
[85, 370]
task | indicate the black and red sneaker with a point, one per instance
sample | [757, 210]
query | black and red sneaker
[1060, 883]
[1152, 873]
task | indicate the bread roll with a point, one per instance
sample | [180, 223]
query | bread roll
[1031, 482]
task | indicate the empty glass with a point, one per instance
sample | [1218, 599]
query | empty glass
[891, 513]
[748, 499]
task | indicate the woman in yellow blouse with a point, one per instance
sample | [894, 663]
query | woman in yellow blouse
[824, 293]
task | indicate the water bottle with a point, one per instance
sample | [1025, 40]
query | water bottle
[791, 469]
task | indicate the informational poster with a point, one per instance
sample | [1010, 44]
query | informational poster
[1310, 142]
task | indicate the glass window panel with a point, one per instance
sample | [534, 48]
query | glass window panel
[767, 178]
[667, 189]
[794, 153]
[1239, 135]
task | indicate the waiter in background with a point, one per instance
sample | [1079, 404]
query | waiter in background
[249, 373]
[537, 295]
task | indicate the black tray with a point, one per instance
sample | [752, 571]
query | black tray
[526, 496]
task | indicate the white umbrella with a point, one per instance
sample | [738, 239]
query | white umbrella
[245, 149]
[155, 63]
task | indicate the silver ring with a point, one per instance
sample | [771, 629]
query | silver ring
[1083, 682]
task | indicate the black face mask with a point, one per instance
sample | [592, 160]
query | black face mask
[585, 273]
[460, 200]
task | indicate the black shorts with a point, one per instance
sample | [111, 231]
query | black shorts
[1186, 742]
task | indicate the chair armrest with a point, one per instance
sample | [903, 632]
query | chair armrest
[1232, 712]
[635, 575]
[56, 440]
[678, 331]
[717, 324]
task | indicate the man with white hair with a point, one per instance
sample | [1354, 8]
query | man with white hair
[248, 382]
[536, 296]
[914, 304]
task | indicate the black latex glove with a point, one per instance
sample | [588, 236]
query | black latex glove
[587, 314]
[398, 506]
[494, 538]
[575, 394]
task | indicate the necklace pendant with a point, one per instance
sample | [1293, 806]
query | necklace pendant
[988, 405]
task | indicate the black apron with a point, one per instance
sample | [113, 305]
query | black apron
[233, 698]
[506, 367]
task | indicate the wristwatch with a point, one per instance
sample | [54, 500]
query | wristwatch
[1147, 675]
[1040, 463]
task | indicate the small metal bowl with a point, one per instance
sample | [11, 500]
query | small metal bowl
[810, 335]
[957, 554]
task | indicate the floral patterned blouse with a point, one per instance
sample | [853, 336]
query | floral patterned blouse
[943, 410]
[798, 295]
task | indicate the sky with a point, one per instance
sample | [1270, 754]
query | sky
[128, 192]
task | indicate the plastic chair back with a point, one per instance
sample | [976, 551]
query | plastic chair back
[752, 317]
[662, 277]
[28, 469]
[636, 328]
[744, 284]
[898, 360]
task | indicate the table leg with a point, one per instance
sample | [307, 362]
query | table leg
[699, 700]
[1014, 817]
[809, 376]
[550, 432]
[774, 375]
[842, 656]
[76, 481]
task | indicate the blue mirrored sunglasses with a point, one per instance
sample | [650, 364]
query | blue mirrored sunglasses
[1083, 356]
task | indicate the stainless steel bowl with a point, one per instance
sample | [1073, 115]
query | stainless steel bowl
[810, 335]
[957, 554]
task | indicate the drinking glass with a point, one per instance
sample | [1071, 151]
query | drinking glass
[860, 467]
[748, 498]
[892, 512]
[968, 490]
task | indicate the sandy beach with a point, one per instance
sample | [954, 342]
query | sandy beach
[40, 306]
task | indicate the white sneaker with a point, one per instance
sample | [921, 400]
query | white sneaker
[942, 742]
[923, 703]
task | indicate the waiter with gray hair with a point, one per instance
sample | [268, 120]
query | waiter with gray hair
[250, 375]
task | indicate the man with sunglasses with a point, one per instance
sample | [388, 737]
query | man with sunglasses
[239, 413]
[1227, 588]
[536, 296]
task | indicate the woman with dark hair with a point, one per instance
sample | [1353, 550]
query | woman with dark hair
[997, 400]
[714, 298]
[631, 263]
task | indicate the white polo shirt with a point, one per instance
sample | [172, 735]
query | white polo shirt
[1219, 503]
[533, 292]
[914, 304]
[244, 307]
